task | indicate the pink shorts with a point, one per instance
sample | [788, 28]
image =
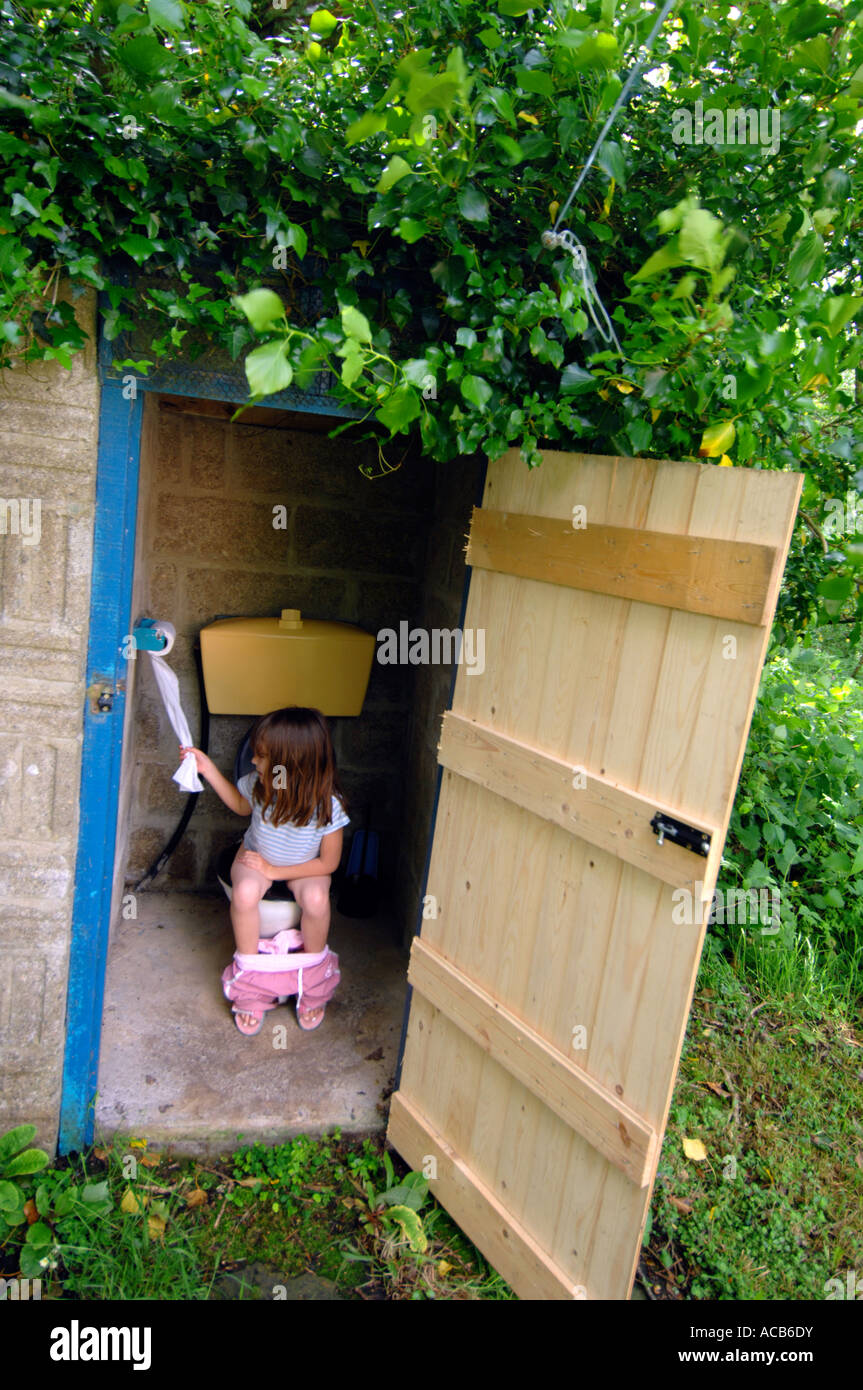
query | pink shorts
[280, 969]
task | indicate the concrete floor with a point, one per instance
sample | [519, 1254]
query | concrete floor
[174, 1068]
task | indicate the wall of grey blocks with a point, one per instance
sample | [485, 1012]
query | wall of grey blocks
[48, 449]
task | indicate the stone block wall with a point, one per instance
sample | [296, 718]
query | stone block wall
[456, 491]
[353, 551]
[49, 419]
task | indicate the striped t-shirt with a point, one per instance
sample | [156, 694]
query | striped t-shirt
[286, 843]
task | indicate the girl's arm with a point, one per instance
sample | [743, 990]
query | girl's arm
[231, 795]
[326, 863]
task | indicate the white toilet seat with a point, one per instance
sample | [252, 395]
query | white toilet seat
[275, 916]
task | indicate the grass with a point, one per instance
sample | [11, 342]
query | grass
[772, 1087]
[167, 1228]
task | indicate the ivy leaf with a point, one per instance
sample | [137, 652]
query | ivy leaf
[368, 124]
[144, 55]
[472, 204]
[396, 169]
[700, 239]
[589, 50]
[639, 432]
[610, 158]
[22, 204]
[353, 363]
[515, 8]
[509, 148]
[814, 54]
[322, 23]
[312, 360]
[664, 258]
[268, 369]
[529, 80]
[575, 379]
[298, 239]
[261, 307]
[717, 439]
[417, 371]
[838, 309]
[431, 91]
[355, 324]
[238, 337]
[410, 229]
[837, 588]
[165, 14]
[806, 260]
[138, 247]
[476, 391]
[399, 409]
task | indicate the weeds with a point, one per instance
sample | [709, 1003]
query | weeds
[773, 1210]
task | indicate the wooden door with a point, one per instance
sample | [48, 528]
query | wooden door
[589, 774]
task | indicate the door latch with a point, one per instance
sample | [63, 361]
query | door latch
[666, 827]
[101, 692]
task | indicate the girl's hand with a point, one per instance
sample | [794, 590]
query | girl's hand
[202, 762]
[251, 860]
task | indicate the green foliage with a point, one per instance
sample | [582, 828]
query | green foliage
[105, 1238]
[284, 1173]
[797, 823]
[198, 162]
[773, 1212]
[47, 1211]
[18, 1163]
[420, 154]
[397, 1207]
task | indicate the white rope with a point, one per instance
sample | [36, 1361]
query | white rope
[567, 241]
[624, 93]
[553, 239]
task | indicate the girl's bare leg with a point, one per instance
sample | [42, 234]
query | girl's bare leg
[313, 896]
[247, 889]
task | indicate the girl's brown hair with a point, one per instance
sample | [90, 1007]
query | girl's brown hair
[298, 741]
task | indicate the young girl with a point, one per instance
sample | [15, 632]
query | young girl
[298, 816]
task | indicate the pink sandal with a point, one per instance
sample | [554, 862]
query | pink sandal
[244, 1028]
[310, 1027]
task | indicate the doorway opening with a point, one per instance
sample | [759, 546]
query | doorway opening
[244, 519]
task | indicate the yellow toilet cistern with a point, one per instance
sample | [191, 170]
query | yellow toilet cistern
[255, 665]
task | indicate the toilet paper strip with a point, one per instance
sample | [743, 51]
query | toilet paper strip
[186, 775]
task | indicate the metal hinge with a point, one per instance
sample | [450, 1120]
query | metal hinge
[667, 828]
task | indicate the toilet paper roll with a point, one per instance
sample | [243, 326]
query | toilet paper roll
[168, 631]
[186, 775]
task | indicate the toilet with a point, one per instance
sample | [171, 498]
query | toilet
[254, 665]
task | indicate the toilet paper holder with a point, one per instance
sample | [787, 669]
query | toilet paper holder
[147, 638]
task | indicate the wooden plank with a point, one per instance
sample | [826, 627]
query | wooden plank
[717, 578]
[505, 1243]
[595, 1113]
[609, 816]
[652, 699]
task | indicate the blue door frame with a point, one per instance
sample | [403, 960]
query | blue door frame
[120, 418]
